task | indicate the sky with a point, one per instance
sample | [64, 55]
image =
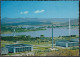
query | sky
[40, 9]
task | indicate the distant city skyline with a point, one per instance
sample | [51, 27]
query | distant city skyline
[40, 9]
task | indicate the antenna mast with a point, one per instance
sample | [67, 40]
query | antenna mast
[69, 26]
[14, 32]
[52, 36]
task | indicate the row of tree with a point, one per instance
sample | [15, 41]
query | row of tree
[26, 38]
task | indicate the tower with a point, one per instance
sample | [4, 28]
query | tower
[14, 32]
[52, 36]
[69, 26]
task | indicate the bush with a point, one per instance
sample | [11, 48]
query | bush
[74, 48]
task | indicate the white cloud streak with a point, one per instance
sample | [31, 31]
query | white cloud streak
[25, 12]
[39, 11]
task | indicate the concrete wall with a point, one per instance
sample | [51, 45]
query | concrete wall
[10, 50]
[67, 44]
[63, 44]
[14, 49]
[22, 49]
[73, 44]
[4, 51]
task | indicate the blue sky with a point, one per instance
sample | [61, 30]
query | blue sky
[40, 9]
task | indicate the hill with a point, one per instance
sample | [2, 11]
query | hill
[37, 21]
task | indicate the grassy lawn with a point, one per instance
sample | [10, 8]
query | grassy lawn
[34, 42]
[3, 43]
[43, 48]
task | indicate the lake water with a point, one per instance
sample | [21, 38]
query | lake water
[47, 33]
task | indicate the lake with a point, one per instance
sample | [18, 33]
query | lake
[47, 33]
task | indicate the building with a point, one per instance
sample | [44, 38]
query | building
[68, 43]
[13, 48]
[75, 40]
[4, 51]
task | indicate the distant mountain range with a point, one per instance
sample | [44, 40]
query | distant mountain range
[72, 22]
[37, 21]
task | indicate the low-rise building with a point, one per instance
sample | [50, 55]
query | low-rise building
[13, 48]
[4, 51]
[68, 43]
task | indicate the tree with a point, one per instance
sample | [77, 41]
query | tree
[41, 35]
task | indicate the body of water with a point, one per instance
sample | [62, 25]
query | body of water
[47, 33]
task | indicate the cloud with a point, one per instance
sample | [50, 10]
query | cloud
[25, 12]
[21, 12]
[39, 11]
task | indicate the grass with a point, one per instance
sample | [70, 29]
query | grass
[42, 48]
[19, 30]
[3, 43]
[34, 43]
[43, 51]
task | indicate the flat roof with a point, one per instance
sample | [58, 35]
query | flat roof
[72, 40]
[18, 45]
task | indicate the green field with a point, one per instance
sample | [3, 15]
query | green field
[42, 47]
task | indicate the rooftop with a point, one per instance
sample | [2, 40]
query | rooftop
[18, 45]
[72, 40]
